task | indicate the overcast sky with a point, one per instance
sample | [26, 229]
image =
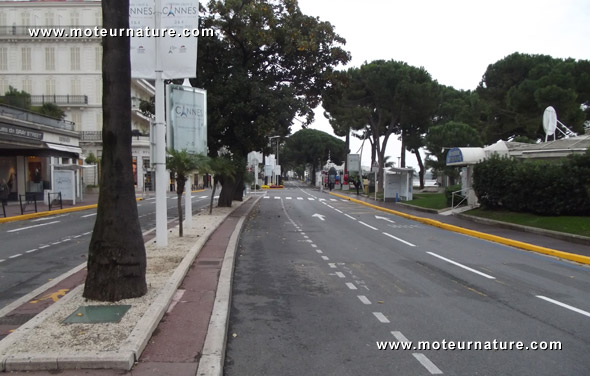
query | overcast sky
[454, 40]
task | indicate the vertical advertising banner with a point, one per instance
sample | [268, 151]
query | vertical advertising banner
[178, 53]
[187, 119]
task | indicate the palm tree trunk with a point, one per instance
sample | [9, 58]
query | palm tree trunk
[116, 255]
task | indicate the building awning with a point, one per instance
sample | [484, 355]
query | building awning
[65, 148]
[465, 156]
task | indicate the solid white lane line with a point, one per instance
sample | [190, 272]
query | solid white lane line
[461, 265]
[399, 336]
[39, 225]
[381, 317]
[364, 299]
[325, 258]
[398, 239]
[571, 308]
[351, 286]
[434, 370]
[350, 216]
[89, 215]
[15, 256]
[369, 226]
[340, 274]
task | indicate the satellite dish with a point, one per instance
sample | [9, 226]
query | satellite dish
[549, 121]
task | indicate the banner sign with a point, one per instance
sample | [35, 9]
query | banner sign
[178, 53]
[187, 119]
[353, 162]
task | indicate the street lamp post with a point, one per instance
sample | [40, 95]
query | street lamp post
[277, 155]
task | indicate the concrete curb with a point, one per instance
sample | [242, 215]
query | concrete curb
[131, 348]
[213, 354]
[477, 234]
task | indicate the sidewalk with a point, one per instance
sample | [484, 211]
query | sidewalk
[539, 237]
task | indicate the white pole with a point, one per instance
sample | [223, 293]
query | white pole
[188, 202]
[160, 162]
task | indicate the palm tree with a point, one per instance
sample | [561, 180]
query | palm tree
[116, 255]
[182, 164]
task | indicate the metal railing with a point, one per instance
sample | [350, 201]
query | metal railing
[59, 99]
[91, 136]
[56, 201]
[20, 114]
[463, 198]
[30, 198]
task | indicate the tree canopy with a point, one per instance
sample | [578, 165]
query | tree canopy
[267, 63]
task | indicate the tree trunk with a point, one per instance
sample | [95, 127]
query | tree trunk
[421, 165]
[228, 186]
[239, 189]
[403, 153]
[116, 255]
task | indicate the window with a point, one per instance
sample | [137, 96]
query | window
[75, 58]
[49, 19]
[77, 120]
[75, 19]
[25, 19]
[27, 85]
[26, 58]
[3, 58]
[75, 86]
[50, 86]
[50, 58]
[3, 19]
[98, 56]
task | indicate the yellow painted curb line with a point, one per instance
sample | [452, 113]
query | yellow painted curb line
[50, 213]
[477, 234]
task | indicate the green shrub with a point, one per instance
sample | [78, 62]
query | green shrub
[540, 187]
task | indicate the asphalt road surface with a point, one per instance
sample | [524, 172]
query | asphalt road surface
[321, 283]
[32, 252]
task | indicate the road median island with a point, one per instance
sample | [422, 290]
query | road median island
[477, 234]
[46, 343]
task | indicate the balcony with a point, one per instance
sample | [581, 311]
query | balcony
[54, 31]
[60, 100]
[20, 114]
[89, 136]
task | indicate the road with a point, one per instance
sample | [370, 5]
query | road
[32, 252]
[319, 281]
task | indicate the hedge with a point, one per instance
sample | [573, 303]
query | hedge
[540, 187]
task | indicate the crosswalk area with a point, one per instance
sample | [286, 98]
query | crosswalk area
[303, 198]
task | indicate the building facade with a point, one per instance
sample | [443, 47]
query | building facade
[67, 71]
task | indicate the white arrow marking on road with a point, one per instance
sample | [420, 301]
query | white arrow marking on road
[384, 218]
[321, 217]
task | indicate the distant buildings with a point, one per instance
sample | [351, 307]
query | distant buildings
[67, 72]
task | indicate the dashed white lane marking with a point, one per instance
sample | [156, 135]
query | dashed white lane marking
[398, 239]
[333, 199]
[434, 370]
[277, 198]
[2, 260]
[351, 286]
[332, 265]
[56, 243]
[311, 199]
[339, 211]
[87, 233]
[381, 317]
[15, 256]
[300, 198]
[43, 246]
[39, 225]
[287, 198]
[340, 274]
[303, 233]
[309, 241]
[364, 299]
[306, 237]
[325, 258]
[369, 226]
[461, 265]
[350, 216]
[319, 251]
[399, 336]
[313, 246]
[31, 250]
[265, 197]
[571, 308]
[203, 196]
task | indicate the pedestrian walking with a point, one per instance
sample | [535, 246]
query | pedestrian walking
[4, 191]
